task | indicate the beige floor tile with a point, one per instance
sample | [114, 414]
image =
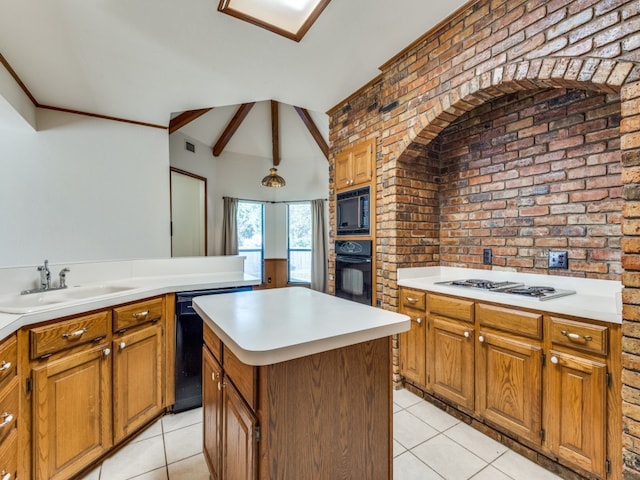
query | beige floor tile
[449, 459]
[475, 441]
[181, 420]
[520, 468]
[135, 459]
[158, 474]
[192, 468]
[409, 430]
[183, 443]
[409, 467]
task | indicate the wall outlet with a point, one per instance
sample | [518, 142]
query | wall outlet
[558, 260]
[487, 256]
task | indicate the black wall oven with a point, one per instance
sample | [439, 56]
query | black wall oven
[353, 270]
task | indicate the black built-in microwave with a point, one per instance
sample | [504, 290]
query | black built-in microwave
[353, 212]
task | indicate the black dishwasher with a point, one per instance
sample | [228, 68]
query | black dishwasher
[188, 375]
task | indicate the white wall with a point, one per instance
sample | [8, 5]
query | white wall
[237, 175]
[83, 188]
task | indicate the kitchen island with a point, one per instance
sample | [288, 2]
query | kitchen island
[297, 384]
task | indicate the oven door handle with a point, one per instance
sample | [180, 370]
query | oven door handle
[353, 259]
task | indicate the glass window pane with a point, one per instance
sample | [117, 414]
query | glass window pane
[299, 228]
[250, 236]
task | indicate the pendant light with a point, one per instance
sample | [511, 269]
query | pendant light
[273, 179]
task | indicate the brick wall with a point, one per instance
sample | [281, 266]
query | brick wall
[491, 52]
[532, 172]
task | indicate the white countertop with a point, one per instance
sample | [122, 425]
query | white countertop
[263, 327]
[594, 299]
[157, 277]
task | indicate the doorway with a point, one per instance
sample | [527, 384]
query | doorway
[188, 214]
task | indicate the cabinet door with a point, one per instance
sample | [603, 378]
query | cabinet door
[71, 413]
[451, 361]
[344, 175]
[362, 163]
[212, 412]
[239, 459]
[137, 379]
[576, 413]
[413, 349]
[509, 384]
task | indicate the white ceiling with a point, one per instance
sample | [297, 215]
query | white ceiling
[143, 59]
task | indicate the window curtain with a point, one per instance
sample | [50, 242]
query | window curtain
[230, 226]
[319, 251]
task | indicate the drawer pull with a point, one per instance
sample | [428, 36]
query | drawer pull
[575, 336]
[554, 360]
[481, 339]
[7, 418]
[76, 334]
[412, 300]
[140, 314]
[106, 352]
[5, 366]
[5, 476]
[466, 334]
[122, 345]
[418, 320]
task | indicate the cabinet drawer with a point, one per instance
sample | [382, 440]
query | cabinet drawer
[9, 456]
[136, 314]
[8, 361]
[580, 335]
[523, 323]
[8, 408]
[451, 307]
[242, 375]
[69, 333]
[212, 342]
[414, 299]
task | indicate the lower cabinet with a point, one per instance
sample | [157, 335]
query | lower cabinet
[230, 426]
[93, 382]
[71, 413]
[137, 379]
[413, 343]
[552, 383]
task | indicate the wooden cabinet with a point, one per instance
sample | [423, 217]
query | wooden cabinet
[354, 165]
[509, 370]
[230, 426]
[326, 415]
[451, 349]
[137, 379]
[550, 382]
[576, 394]
[9, 406]
[71, 412]
[95, 380]
[413, 343]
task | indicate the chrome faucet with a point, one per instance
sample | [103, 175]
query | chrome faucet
[45, 279]
[45, 276]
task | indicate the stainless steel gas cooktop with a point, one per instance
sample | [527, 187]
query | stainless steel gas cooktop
[514, 288]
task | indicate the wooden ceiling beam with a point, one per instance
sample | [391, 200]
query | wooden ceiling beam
[313, 130]
[275, 134]
[235, 122]
[184, 118]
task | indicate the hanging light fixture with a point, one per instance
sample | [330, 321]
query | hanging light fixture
[273, 179]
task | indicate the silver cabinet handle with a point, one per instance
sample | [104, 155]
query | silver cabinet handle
[76, 334]
[106, 352]
[5, 476]
[140, 314]
[481, 338]
[466, 334]
[7, 418]
[554, 360]
[412, 300]
[5, 366]
[575, 336]
[122, 345]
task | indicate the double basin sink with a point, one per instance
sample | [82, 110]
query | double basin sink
[33, 302]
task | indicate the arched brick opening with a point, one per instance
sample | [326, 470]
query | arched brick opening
[406, 164]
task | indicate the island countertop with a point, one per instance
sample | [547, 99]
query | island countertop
[264, 327]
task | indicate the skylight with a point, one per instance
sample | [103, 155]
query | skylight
[289, 18]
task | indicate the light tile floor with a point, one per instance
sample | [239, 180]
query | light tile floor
[428, 444]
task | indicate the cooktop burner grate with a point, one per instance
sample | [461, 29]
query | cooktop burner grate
[539, 292]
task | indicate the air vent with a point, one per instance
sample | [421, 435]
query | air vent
[190, 146]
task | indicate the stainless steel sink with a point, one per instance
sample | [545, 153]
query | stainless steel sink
[16, 303]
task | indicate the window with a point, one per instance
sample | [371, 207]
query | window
[299, 251]
[251, 236]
